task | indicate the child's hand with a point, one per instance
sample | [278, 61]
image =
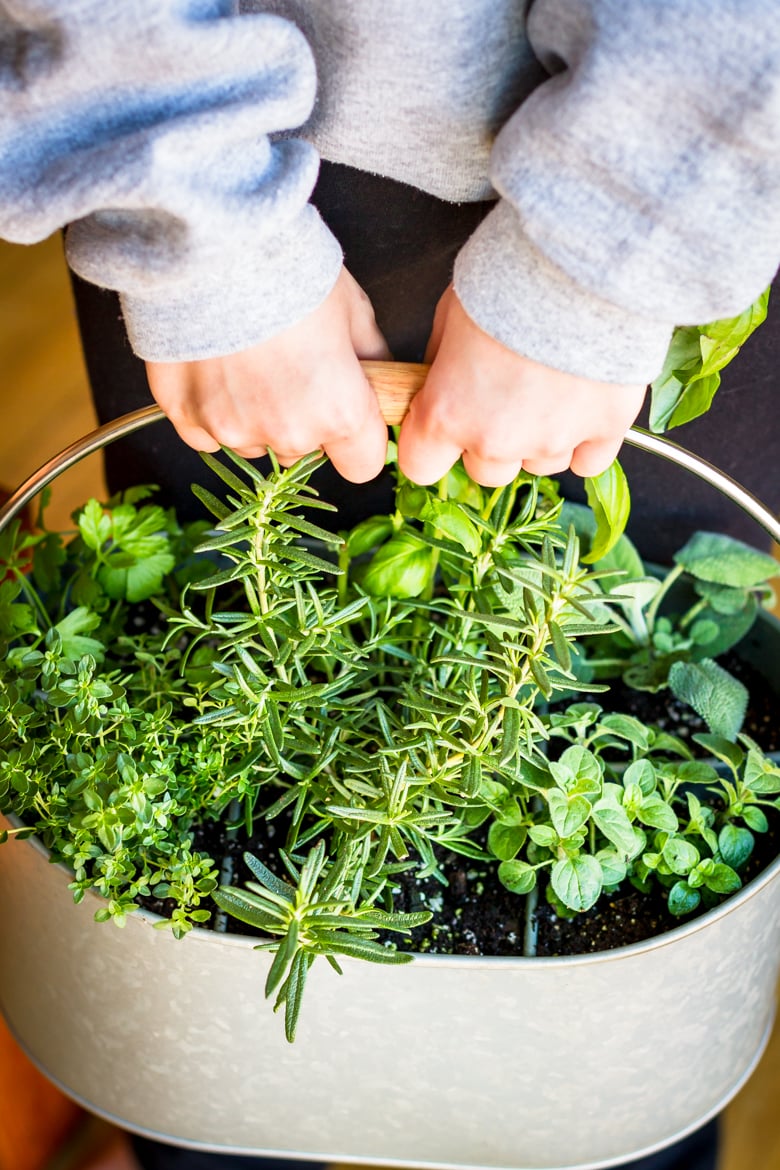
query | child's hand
[502, 411]
[300, 391]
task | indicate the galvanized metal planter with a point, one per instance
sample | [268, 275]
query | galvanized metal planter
[572, 1062]
[450, 1062]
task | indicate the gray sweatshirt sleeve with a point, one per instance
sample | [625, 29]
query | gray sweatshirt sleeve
[640, 184]
[101, 100]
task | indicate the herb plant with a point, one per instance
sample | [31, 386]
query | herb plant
[377, 698]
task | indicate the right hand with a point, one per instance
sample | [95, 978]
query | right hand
[301, 391]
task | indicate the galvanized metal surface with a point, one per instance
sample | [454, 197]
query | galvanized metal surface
[451, 1061]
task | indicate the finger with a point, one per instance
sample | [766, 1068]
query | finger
[437, 329]
[548, 464]
[195, 436]
[491, 472]
[251, 452]
[367, 338]
[422, 457]
[594, 456]
[360, 455]
[289, 459]
[370, 345]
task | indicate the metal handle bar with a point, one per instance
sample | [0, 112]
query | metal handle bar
[137, 419]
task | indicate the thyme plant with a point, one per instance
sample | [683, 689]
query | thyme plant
[376, 699]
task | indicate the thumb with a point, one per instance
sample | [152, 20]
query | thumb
[439, 321]
[367, 338]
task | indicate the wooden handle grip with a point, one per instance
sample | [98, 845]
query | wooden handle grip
[395, 385]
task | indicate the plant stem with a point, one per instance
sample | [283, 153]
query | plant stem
[531, 930]
[668, 581]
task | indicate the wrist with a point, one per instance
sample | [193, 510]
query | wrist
[512, 291]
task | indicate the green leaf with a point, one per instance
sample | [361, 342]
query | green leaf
[401, 568]
[368, 534]
[722, 748]
[730, 628]
[725, 600]
[48, 558]
[517, 876]
[72, 629]
[690, 375]
[560, 645]
[761, 775]
[293, 994]
[610, 499]
[723, 880]
[543, 835]
[613, 821]
[680, 855]
[281, 888]
[682, 362]
[694, 400]
[237, 904]
[577, 881]
[735, 845]
[613, 867]
[643, 774]
[658, 814]
[506, 841]
[449, 518]
[94, 525]
[567, 813]
[719, 698]
[711, 556]
[755, 819]
[145, 578]
[461, 487]
[682, 899]
[584, 767]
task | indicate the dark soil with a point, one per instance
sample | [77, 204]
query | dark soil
[677, 718]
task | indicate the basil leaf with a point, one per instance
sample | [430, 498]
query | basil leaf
[610, 499]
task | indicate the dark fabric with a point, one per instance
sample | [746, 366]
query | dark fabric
[697, 1152]
[160, 1156]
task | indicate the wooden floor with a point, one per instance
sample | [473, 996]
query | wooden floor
[45, 406]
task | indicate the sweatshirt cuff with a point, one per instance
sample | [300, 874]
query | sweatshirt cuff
[237, 299]
[513, 292]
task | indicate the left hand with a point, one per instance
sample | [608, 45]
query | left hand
[502, 411]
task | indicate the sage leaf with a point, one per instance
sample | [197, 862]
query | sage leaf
[716, 695]
[712, 556]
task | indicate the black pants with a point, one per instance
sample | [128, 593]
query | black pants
[698, 1152]
[400, 245]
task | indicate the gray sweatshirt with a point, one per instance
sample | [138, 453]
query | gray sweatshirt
[632, 148]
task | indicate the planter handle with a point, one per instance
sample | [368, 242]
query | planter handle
[395, 384]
